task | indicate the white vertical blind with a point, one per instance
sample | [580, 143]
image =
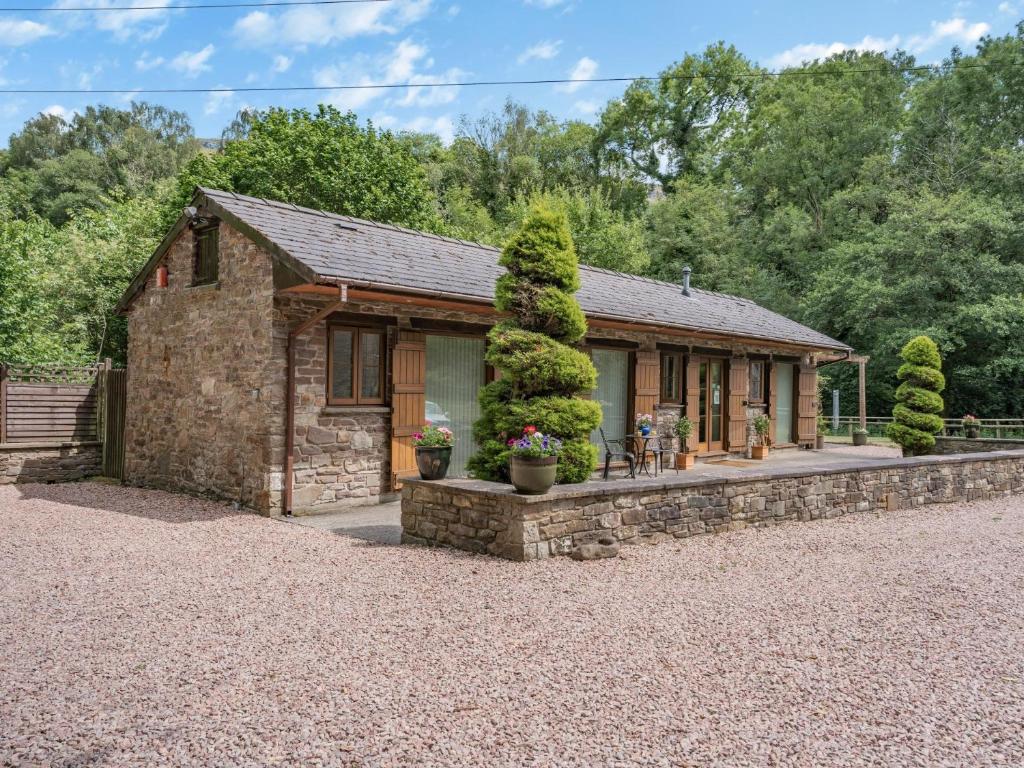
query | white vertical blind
[455, 373]
[784, 403]
[612, 393]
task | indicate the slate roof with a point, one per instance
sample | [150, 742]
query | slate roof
[343, 248]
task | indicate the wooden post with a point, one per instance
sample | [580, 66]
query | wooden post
[862, 399]
[3, 403]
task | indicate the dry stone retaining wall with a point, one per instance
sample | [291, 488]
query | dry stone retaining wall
[490, 518]
[31, 463]
[952, 445]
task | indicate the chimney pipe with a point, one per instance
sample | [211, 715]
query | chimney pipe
[686, 280]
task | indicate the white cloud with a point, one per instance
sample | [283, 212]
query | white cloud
[216, 101]
[193, 63]
[403, 64]
[956, 31]
[22, 32]
[442, 125]
[798, 54]
[144, 63]
[545, 3]
[544, 50]
[143, 25]
[1008, 8]
[453, 10]
[282, 63]
[320, 25]
[587, 107]
[60, 111]
[584, 69]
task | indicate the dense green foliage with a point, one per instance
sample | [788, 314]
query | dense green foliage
[872, 203]
[542, 375]
[917, 413]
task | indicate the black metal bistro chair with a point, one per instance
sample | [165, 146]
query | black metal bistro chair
[656, 447]
[617, 449]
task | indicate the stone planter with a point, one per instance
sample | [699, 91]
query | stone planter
[685, 460]
[759, 452]
[433, 462]
[819, 442]
[972, 432]
[533, 477]
[860, 438]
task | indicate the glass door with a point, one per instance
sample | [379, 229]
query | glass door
[710, 426]
[783, 403]
[455, 373]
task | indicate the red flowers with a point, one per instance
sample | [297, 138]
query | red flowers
[529, 430]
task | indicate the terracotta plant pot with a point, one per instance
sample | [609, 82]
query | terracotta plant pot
[860, 438]
[433, 462]
[759, 452]
[533, 477]
[685, 460]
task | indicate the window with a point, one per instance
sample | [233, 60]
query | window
[455, 373]
[612, 392]
[672, 377]
[755, 391]
[355, 366]
[205, 256]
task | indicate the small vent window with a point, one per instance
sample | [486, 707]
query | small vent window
[207, 257]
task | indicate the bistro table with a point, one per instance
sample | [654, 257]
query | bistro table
[638, 439]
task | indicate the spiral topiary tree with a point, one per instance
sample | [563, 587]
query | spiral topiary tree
[542, 373]
[917, 411]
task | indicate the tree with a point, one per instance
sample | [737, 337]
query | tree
[542, 373]
[322, 160]
[919, 403]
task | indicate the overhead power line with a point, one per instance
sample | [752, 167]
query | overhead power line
[195, 6]
[479, 83]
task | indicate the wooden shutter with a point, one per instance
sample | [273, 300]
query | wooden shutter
[693, 400]
[738, 393]
[807, 405]
[408, 401]
[773, 399]
[646, 382]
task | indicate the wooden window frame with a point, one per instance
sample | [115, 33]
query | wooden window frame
[680, 365]
[199, 235]
[761, 398]
[357, 332]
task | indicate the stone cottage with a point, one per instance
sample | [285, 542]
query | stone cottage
[282, 357]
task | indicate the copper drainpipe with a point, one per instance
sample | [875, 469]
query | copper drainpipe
[289, 419]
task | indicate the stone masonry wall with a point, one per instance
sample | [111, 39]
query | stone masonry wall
[490, 518]
[954, 445]
[201, 376]
[49, 464]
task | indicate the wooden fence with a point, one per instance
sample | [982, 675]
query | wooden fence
[56, 405]
[995, 428]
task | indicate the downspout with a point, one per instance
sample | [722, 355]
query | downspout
[289, 411]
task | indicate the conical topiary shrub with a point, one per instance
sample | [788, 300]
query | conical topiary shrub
[542, 373]
[917, 411]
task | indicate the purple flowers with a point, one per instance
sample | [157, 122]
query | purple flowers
[535, 445]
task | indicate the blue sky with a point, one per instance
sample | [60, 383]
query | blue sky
[438, 41]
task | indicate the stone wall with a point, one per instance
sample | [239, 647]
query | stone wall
[38, 463]
[201, 377]
[952, 445]
[490, 518]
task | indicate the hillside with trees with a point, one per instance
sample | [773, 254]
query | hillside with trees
[865, 196]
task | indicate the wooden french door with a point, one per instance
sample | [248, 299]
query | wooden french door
[710, 403]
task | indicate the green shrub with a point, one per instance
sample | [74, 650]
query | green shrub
[542, 376]
[918, 406]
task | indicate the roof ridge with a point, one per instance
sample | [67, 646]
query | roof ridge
[351, 219]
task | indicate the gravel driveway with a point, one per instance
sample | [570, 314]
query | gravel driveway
[146, 628]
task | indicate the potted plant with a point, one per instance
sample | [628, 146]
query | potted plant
[822, 429]
[433, 451]
[972, 427]
[644, 421]
[684, 428]
[860, 436]
[534, 461]
[762, 426]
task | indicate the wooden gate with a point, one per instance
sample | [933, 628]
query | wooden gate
[114, 388]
